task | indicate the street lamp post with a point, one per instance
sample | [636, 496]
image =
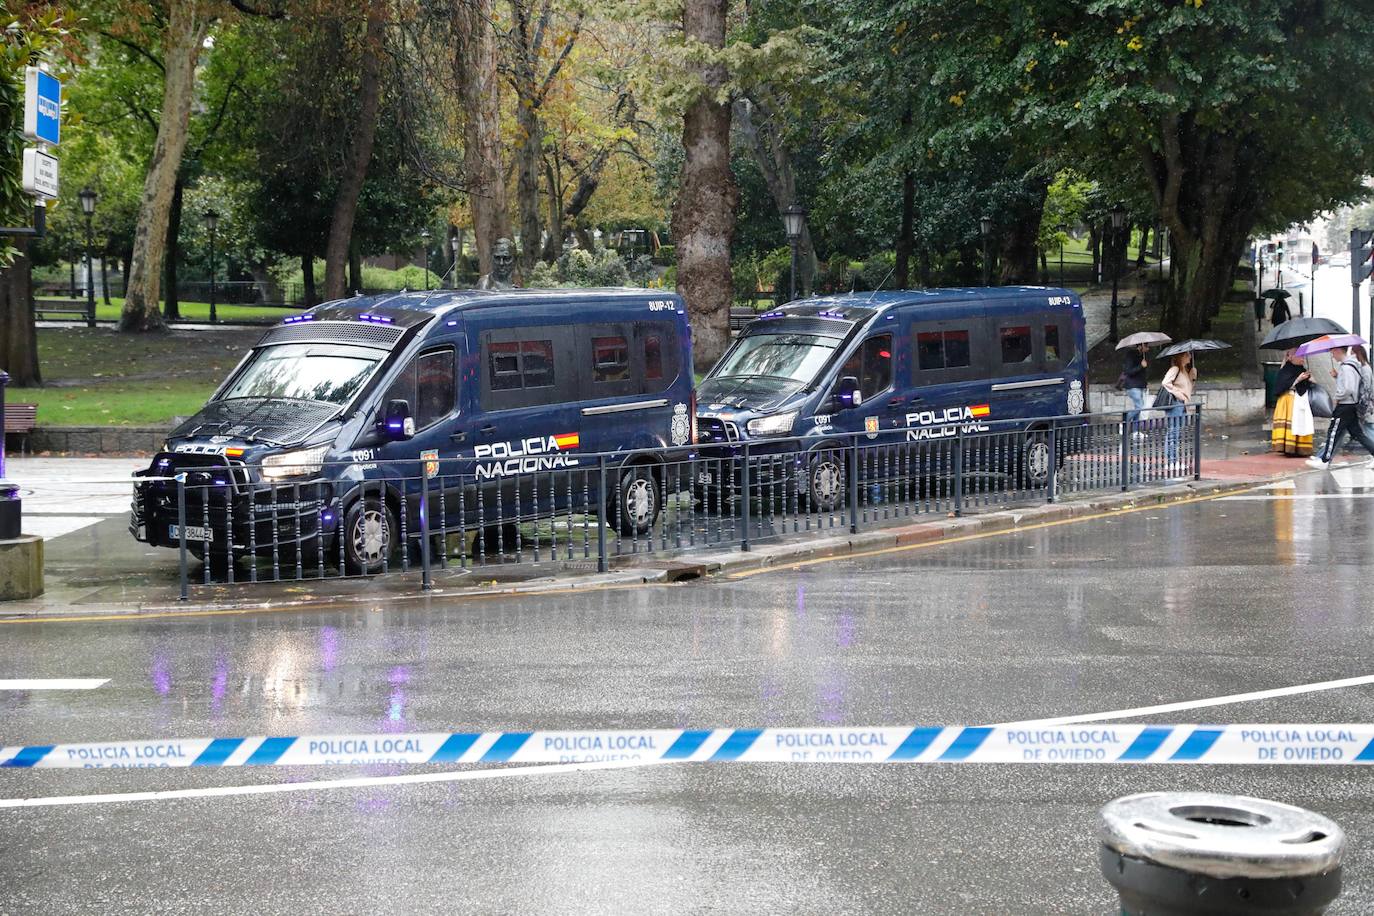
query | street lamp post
[455, 245]
[424, 240]
[88, 198]
[794, 224]
[1118, 220]
[1063, 234]
[212, 223]
[985, 229]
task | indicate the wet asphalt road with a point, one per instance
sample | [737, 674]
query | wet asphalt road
[1162, 605]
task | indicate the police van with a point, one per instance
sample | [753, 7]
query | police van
[330, 414]
[930, 362]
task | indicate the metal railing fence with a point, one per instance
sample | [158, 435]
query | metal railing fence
[565, 509]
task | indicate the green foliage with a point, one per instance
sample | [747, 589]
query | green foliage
[665, 256]
[579, 267]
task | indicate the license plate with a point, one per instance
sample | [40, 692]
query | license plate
[704, 477]
[193, 533]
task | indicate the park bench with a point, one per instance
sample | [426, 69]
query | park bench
[740, 316]
[20, 419]
[59, 307]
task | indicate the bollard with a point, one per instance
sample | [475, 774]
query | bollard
[1206, 854]
[11, 508]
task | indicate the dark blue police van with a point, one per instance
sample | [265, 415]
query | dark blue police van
[926, 361]
[329, 417]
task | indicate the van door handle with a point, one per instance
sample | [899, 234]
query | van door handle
[895, 402]
[489, 428]
[458, 437]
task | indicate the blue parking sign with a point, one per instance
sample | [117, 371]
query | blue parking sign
[42, 106]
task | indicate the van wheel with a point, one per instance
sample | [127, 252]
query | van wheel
[370, 543]
[1036, 463]
[636, 502]
[825, 482]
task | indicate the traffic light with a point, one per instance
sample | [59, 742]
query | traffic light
[1361, 247]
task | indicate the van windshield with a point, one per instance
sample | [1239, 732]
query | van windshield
[785, 357]
[330, 374]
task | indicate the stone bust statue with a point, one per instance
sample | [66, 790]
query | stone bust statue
[502, 267]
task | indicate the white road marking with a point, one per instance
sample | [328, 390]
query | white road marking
[354, 782]
[53, 683]
[1116, 714]
[1291, 497]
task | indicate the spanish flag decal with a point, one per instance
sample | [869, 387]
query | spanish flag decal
[566, 440]
[980, 410]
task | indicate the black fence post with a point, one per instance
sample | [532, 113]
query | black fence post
[1125, 451]
[425, 581]
[181, 536]
[601, 514]
[959, 473]
[853, 470]
[1197, 442]
[744, 487]
[1052, 482]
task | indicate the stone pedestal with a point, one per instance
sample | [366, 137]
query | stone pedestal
[21, 568]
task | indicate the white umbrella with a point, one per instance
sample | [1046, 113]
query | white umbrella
[1143, 337]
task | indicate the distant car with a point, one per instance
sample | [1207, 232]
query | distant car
[1339, 260]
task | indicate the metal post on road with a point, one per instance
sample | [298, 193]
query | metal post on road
[426, 582]
[744, 489]
[1118, 220]
[181, 536]
[1197, 442]
[601, 496]
[1361, 248]
[424, 241]
[1207, 854]
[1052, 482]
[959, 473]
[1125, 450]
[853, 485]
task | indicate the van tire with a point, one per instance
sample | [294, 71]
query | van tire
[1036, 464]
[371, 540]
[636, 502]
[825, 481]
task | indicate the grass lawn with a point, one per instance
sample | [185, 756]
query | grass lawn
[190, 311]
[99, 377]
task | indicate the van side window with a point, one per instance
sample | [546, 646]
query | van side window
[610, 359]
[429, 385]
[871, 364]
[653, 358]
[1052, 343]
[942, 349]
[1016, 344]
[521, 364]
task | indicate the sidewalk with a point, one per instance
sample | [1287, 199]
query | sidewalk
[97, 569]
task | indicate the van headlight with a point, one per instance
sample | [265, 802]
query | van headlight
[299, 463]
[779, 424]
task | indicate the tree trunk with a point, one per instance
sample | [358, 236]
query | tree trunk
[359, 155]
[308, 279]
[528, 155]
[553, 244]
[182, 39]
[479, 95]
[1020, 242]
[171, 308]
[925, 266]
[1144, 242]
[775, 162]
[18, 339]
[904, 234]
[105, 278]
[704, 212]
[355, 269]
[124, 273]
[1095, 243]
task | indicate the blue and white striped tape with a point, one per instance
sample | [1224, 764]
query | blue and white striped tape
[1098, 743]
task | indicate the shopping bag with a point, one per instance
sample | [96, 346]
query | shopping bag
[1302, 424]
[1319, 401]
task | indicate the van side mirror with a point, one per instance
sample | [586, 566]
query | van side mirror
[847, 393]
[397, 425]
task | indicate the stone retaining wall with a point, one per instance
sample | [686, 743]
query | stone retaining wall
[90, 440]
[1221, 404]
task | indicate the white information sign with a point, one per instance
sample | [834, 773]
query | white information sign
[40, 174]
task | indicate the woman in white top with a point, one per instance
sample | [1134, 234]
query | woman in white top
[1180, 381]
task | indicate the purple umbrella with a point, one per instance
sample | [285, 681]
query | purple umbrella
[1329, 342]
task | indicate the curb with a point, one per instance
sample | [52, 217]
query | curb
[718, 564]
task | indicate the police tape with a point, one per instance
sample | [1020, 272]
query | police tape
[1099, 743]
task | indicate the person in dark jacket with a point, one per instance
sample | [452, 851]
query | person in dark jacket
[1293, 382]
[1278, 311]
[1133, 368]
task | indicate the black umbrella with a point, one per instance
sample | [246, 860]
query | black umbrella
[1276, 294]
[1299, 331]
[1192, 346]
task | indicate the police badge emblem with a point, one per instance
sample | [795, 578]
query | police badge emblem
[681, 428]
[430, 457]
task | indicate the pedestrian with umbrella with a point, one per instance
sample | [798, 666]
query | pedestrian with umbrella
[1278, 307]
[1297, 331]
[1346, 415]
[1135, 366]
[1293, 425]
[1177, 389]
